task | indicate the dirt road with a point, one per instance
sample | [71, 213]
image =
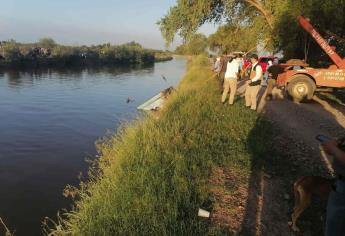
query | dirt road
[300, 155]
[263, 203]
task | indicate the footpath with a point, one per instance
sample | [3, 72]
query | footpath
[297, 154]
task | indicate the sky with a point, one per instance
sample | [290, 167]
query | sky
[86, 22]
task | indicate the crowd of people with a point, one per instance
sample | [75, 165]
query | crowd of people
[231, 68]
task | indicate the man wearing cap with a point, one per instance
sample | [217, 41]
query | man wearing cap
[254, 84]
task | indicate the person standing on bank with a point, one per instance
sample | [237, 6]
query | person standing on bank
[335, 219]
[223, 64]
[254, 84]
[269, 64]
[217, 66]
[273, 72]
[230, 80]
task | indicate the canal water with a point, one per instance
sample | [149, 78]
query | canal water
[49, 122]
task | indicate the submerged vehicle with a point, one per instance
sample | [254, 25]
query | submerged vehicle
[157, 102]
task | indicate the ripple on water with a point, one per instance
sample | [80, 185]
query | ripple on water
[49, 122]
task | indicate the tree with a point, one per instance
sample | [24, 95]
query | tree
[181, 50]
[196, 44]
[326, 16]
[270, 22]
[133, 44]
[187, 16]
[47, 43]
[11, 52]
[230, 37]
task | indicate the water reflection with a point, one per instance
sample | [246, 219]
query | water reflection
[50, 120]
[15, 77]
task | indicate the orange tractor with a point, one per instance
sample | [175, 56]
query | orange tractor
[302, 82]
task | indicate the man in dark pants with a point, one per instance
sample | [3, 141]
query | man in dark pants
[223, 62]
[273, 72]
[335, 221]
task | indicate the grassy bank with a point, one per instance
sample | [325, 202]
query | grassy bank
[153, 175]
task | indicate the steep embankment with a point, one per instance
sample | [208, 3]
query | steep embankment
[155, 173]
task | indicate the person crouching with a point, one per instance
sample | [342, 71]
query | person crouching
[254, 84]
[230, 80]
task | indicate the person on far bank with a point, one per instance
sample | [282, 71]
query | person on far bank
[230, 80]
[335, 216]
[254, 83]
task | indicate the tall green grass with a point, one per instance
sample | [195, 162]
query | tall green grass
[153, 175]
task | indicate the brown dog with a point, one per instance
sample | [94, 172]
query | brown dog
[304, 188]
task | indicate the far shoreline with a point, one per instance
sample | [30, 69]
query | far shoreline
[48, 54]
[28, 67]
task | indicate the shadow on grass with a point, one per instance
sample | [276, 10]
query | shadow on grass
[276, 162]
[259, 147]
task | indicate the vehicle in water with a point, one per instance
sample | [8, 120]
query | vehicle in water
[156, 102]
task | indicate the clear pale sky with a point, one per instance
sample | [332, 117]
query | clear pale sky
[78, 22]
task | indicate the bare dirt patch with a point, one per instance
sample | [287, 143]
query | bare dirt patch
[263, 204]
[229, 191]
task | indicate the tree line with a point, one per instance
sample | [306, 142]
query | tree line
[46, 52]
[271, 24]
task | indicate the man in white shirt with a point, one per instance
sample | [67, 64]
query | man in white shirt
[230, 80]
[254, 84]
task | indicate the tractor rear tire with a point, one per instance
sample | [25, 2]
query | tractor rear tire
[301, 88]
